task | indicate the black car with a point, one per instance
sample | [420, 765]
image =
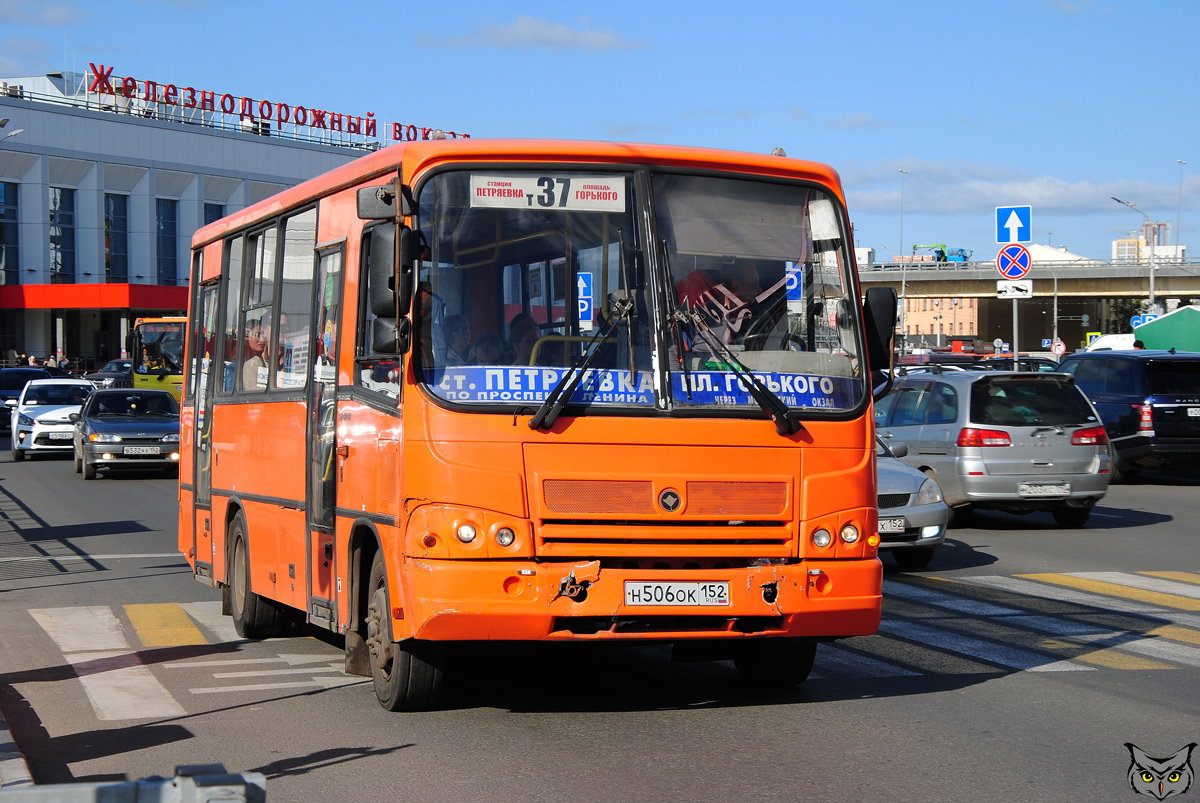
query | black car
[125, 428]
[12, 382]
[1149, 402]
[114, 374]
[1039, 364]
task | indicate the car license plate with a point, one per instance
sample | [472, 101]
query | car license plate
[140, 450]
[1193, 412]
[638, 592]
[892, 525]
[60, 436]
[1044, 489]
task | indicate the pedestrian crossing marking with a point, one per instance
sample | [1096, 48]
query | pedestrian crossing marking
[1182, 577]
[163, 625]
[1115, 590]
[1145, 583]
[1176, 633]
[915, 656]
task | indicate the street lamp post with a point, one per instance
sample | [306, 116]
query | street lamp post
[903, 271]
[1179, 211]
[1153, 236]
[4, 122]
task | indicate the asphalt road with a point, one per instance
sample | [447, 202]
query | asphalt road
[985, 683]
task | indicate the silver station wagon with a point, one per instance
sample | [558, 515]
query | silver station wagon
[1002, 440]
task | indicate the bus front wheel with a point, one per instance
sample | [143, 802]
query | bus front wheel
[776, 663]
[254, 617]
[407, 675]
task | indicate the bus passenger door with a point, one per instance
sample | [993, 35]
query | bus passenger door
[205, 342]
[322, 441]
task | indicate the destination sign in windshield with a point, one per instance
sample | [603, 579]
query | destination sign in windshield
[570, 192]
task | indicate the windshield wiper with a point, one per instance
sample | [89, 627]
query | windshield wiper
[560, 395]
[786, 419]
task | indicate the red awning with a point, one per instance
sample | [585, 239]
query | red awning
[93, 296]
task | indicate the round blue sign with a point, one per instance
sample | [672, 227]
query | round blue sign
[1013, 261]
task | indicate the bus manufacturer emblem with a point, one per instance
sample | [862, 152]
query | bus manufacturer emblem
[669, 500]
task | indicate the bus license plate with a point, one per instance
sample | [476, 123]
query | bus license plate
[892, 525]
[1043, 489]
[704, 594]
[140, 450]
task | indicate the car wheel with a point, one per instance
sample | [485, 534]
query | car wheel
[89, 469]
[254, 617]
[18, 454]
[1071, 516]
[78, 462]
[776, 663]
[407, 675]
[915, 558]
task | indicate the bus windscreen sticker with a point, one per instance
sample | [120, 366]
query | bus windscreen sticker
[474, 384]
[572, 193]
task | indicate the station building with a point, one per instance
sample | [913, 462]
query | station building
[104, 180]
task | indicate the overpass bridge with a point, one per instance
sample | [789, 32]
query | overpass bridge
[1104, 290]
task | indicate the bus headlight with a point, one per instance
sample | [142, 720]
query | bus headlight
[849, 533]
[505, 536]
[822, 538]
[465, 533]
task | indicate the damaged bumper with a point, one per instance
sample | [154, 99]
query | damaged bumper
[519, 600]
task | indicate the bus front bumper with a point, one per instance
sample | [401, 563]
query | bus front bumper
[485, 600]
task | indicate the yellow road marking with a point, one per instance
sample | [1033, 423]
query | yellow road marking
[1111, 658]
[1115, 590]
[164, 625]
[1183, 577]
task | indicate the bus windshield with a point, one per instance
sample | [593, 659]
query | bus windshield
[161, 344]
[680, 284]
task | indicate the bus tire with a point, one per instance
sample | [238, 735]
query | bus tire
[776, 663]
[254, 617]
[407, 675]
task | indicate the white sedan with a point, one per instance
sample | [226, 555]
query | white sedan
[40, 417]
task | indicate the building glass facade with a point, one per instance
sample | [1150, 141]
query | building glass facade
[62, 235]
[166, 216]
[10, 263]
[116, 238]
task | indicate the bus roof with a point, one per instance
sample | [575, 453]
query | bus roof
[420, 156]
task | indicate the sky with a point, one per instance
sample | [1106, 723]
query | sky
[1055, 104]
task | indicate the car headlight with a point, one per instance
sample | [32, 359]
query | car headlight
[104, 437]
[929, 493]
[24, 420]
[172, 438]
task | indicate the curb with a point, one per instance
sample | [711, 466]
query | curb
[14, 772]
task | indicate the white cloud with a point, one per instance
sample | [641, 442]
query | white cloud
[796, 113]
[939, 188]
[848, 122]
[21, 55]
[528, 33]
[40, 13]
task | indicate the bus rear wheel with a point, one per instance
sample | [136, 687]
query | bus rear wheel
[776, 663]
[254, 617]
[407, 675]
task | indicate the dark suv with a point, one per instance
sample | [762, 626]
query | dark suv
[12, 382]
[1149, 402]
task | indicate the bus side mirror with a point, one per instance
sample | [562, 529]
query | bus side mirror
[389, 336]
[385, 293]
[879, 320]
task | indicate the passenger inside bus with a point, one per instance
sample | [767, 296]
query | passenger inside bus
[488, 349]
[458, 340]
[522, 336]
[254, 366]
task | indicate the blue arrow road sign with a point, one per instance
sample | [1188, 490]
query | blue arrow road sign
[1013, 224]
[583, 283]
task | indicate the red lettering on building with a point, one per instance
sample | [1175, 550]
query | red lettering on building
[190, 103]
[208, 100]
[318, 118]
[100, 82]
[171, 95]
[227, 108]
[129, 87]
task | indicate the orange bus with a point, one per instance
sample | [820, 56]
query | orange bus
[461, 391]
